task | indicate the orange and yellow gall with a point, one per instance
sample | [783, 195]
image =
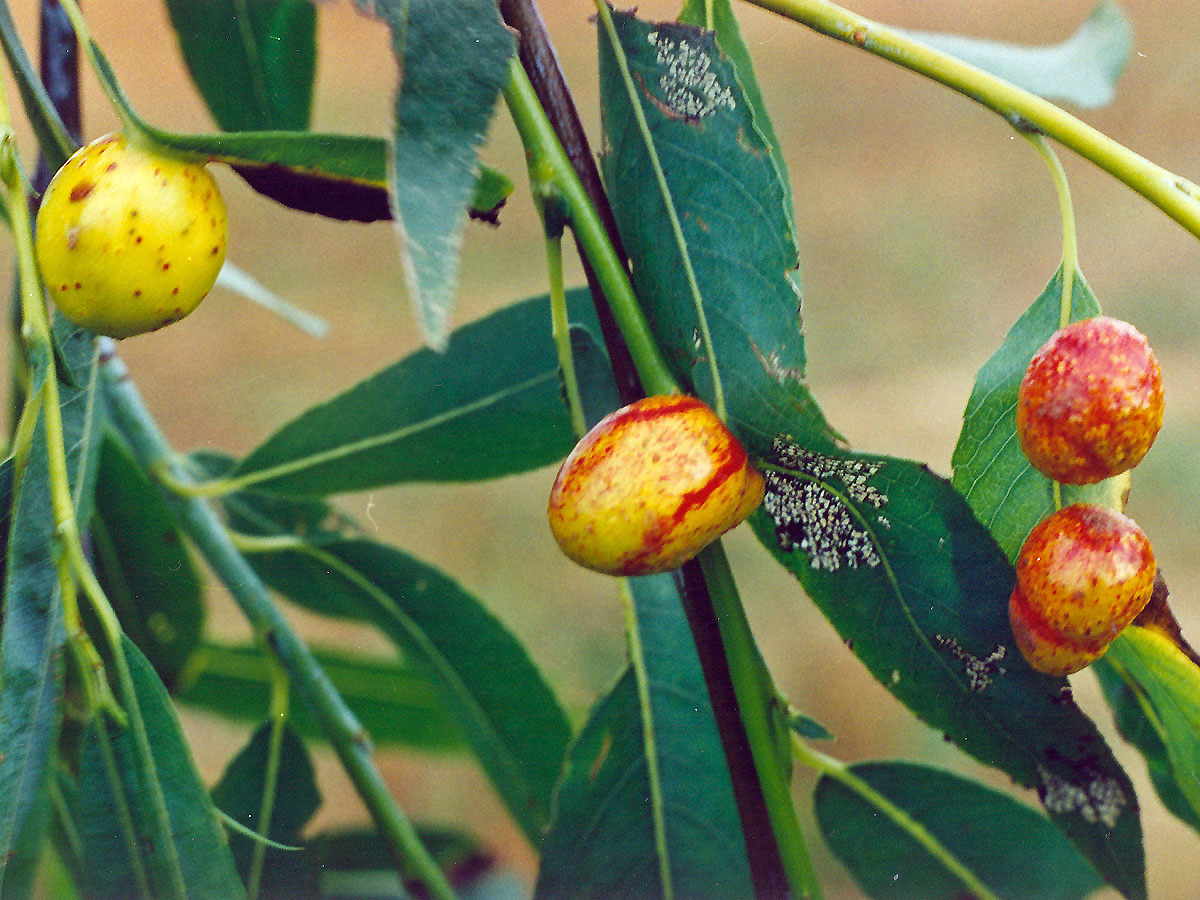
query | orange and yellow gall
[650, 486]
[129, 239]
[1083, 574]
[1091, 402]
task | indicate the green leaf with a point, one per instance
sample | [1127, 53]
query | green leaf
[808, 727]
[488, 406]
[21, 881]
[1164, 685]
[204, 857]
[394, 703]
[646, 808]
[32, 638]
[335, 175]
[601, 842]
[30, 651]
[598, 392]
[895, 559]
[254, 63]
[505, 711]
[729, 38]
[239, 794]
[143, 564]
[1082, 70]
[1007, 494]
[84, 415]
[340, 176]
[1131, 713]
[704, 215]
[1010, 848]
[453, 60]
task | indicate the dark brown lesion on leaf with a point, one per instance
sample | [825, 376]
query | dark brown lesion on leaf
[345, 199]
[312, 192]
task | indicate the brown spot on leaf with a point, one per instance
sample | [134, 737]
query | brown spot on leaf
[601, 756]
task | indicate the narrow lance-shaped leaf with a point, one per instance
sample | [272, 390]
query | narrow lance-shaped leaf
[394, 703]
[204, 858]
[336, 175]
[646, 808]
[729, 37]
[488, 406]
[504, 710]
[900, 566]
[703, 213]
[254, 63]
[1017, 853]
[239, 794]
[30, 649]
[32, 639]
[53, 140]
[453, 60]
[1007, 494]
[889, 552]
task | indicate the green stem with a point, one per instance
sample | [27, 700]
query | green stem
[842, 773]
[637, 659]
[130, 123]
[1070, 260]
[277, 716]
[758, 704]
[550, 170]
[340, 726]
[560, 328]
[1175, 196]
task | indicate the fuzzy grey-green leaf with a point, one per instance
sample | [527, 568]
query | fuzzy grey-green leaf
[443, 109]
[1083, 69]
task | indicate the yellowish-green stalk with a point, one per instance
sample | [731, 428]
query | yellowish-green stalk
[560, 327]
[637, 657]
[277, 716]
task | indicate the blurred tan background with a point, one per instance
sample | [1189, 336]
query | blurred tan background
[926, 228]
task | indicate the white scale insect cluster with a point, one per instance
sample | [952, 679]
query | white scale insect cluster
[1101, 801]
[809, 512]
[980, 671]
[689, 87]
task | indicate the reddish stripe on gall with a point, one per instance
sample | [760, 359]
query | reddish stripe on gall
[735, 461]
